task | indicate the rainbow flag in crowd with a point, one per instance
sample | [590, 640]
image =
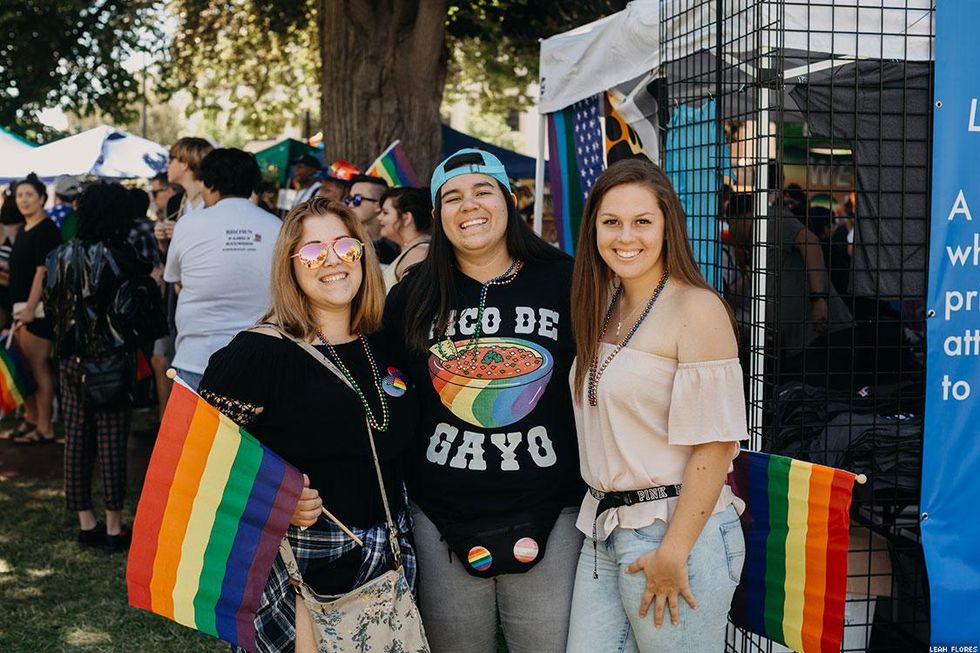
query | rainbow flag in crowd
[16, 381]
[797, 527]
[393, 167]
[575, 161]
[215, 506]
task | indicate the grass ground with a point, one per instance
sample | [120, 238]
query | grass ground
[55, 596]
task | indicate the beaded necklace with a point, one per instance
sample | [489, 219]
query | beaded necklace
[595, 369]
[457, 353]
[383, 425]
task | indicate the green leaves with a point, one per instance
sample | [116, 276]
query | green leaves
[80, 55]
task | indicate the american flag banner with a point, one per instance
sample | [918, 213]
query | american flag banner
[576, 159]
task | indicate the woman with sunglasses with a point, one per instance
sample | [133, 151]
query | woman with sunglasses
[484, 322]
[326, 291]
[659, 411]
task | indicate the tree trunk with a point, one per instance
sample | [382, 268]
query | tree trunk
[384, 69]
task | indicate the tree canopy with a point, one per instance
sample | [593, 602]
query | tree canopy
[72, 54]
[259, 59]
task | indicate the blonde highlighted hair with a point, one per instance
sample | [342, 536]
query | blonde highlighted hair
[291, 309]
[191, 151]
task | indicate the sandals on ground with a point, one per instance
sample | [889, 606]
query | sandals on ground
[34, 437]
[20, 430]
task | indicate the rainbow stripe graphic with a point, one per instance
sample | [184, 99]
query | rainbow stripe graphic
[393, 167]
[215, 506]
[16, 382]
[796, 527]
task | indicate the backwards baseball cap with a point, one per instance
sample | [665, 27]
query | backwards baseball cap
[67, 186]
[479, 161]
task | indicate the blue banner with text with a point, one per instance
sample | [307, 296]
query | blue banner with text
[950, 504]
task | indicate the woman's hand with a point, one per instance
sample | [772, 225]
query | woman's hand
[666, 572]
[309, 506]
[25, 315]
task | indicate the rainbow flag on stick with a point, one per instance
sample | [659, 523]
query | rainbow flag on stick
[796, 526]
[16, 381]
[393, 167]
[215, 505]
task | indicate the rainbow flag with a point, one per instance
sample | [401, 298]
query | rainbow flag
[16, 381]
[393, 167]
[796, 525]
[576, 160]
[214, 507]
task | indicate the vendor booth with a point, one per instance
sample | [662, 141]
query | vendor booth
[775, 121]
[103, 151]
[275, 161]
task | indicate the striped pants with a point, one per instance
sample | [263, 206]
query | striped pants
[90, 432]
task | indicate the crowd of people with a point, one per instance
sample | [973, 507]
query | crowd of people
[538, 422]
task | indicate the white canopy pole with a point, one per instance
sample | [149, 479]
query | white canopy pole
[539, 175]
[758, 301]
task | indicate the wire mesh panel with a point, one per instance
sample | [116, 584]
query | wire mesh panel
[798, 138]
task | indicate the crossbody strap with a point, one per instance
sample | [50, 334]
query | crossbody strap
[327, 363]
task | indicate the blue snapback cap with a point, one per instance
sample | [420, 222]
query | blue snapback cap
[491, 166]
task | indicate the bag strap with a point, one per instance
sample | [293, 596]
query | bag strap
[327, 363]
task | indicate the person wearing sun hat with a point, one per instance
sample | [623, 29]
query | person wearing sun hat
[483, 326]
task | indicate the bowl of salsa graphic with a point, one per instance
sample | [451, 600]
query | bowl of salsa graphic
[494, 384]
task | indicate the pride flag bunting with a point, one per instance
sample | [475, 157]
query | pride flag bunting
[796, 525]
[214, 507]
[16, 382]
[393, 167]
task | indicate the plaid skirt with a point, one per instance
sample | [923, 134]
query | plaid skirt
[275, 621]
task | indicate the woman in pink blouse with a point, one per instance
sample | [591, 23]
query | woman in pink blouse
[659, 410]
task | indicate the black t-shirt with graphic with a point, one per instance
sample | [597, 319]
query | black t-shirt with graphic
[497, 433]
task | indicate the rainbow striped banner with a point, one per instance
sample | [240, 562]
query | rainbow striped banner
[16, 382]
[797, 527]
[393, 167]
[214, 507]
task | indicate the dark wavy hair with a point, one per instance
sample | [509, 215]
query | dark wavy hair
[416, 201]
[432, 293]
[231, 172]
[104, 213]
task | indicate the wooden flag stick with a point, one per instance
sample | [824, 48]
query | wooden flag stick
[341, 526]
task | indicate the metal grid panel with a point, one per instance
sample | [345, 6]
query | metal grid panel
[797, 133]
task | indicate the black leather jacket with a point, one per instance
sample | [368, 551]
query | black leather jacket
[83, 280]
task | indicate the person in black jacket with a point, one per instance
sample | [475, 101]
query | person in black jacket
[83, 281]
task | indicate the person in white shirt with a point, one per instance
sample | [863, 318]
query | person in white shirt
[221, 257]
[306, 186]
[184, 172]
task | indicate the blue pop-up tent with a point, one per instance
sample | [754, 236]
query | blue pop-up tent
[518, 166]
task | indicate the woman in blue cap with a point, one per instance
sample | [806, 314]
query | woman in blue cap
[485, 325]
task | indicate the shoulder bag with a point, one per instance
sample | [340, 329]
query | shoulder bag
[378, 616]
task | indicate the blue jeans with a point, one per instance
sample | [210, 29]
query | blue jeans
[606, 611]
[192, 379]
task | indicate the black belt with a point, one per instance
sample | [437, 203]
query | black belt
[610, 500]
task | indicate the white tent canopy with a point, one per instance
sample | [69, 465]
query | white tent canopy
[595, 57]
[12, 149]
[100, 152]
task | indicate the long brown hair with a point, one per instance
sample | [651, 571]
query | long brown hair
[291, 308]
[592, 279]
